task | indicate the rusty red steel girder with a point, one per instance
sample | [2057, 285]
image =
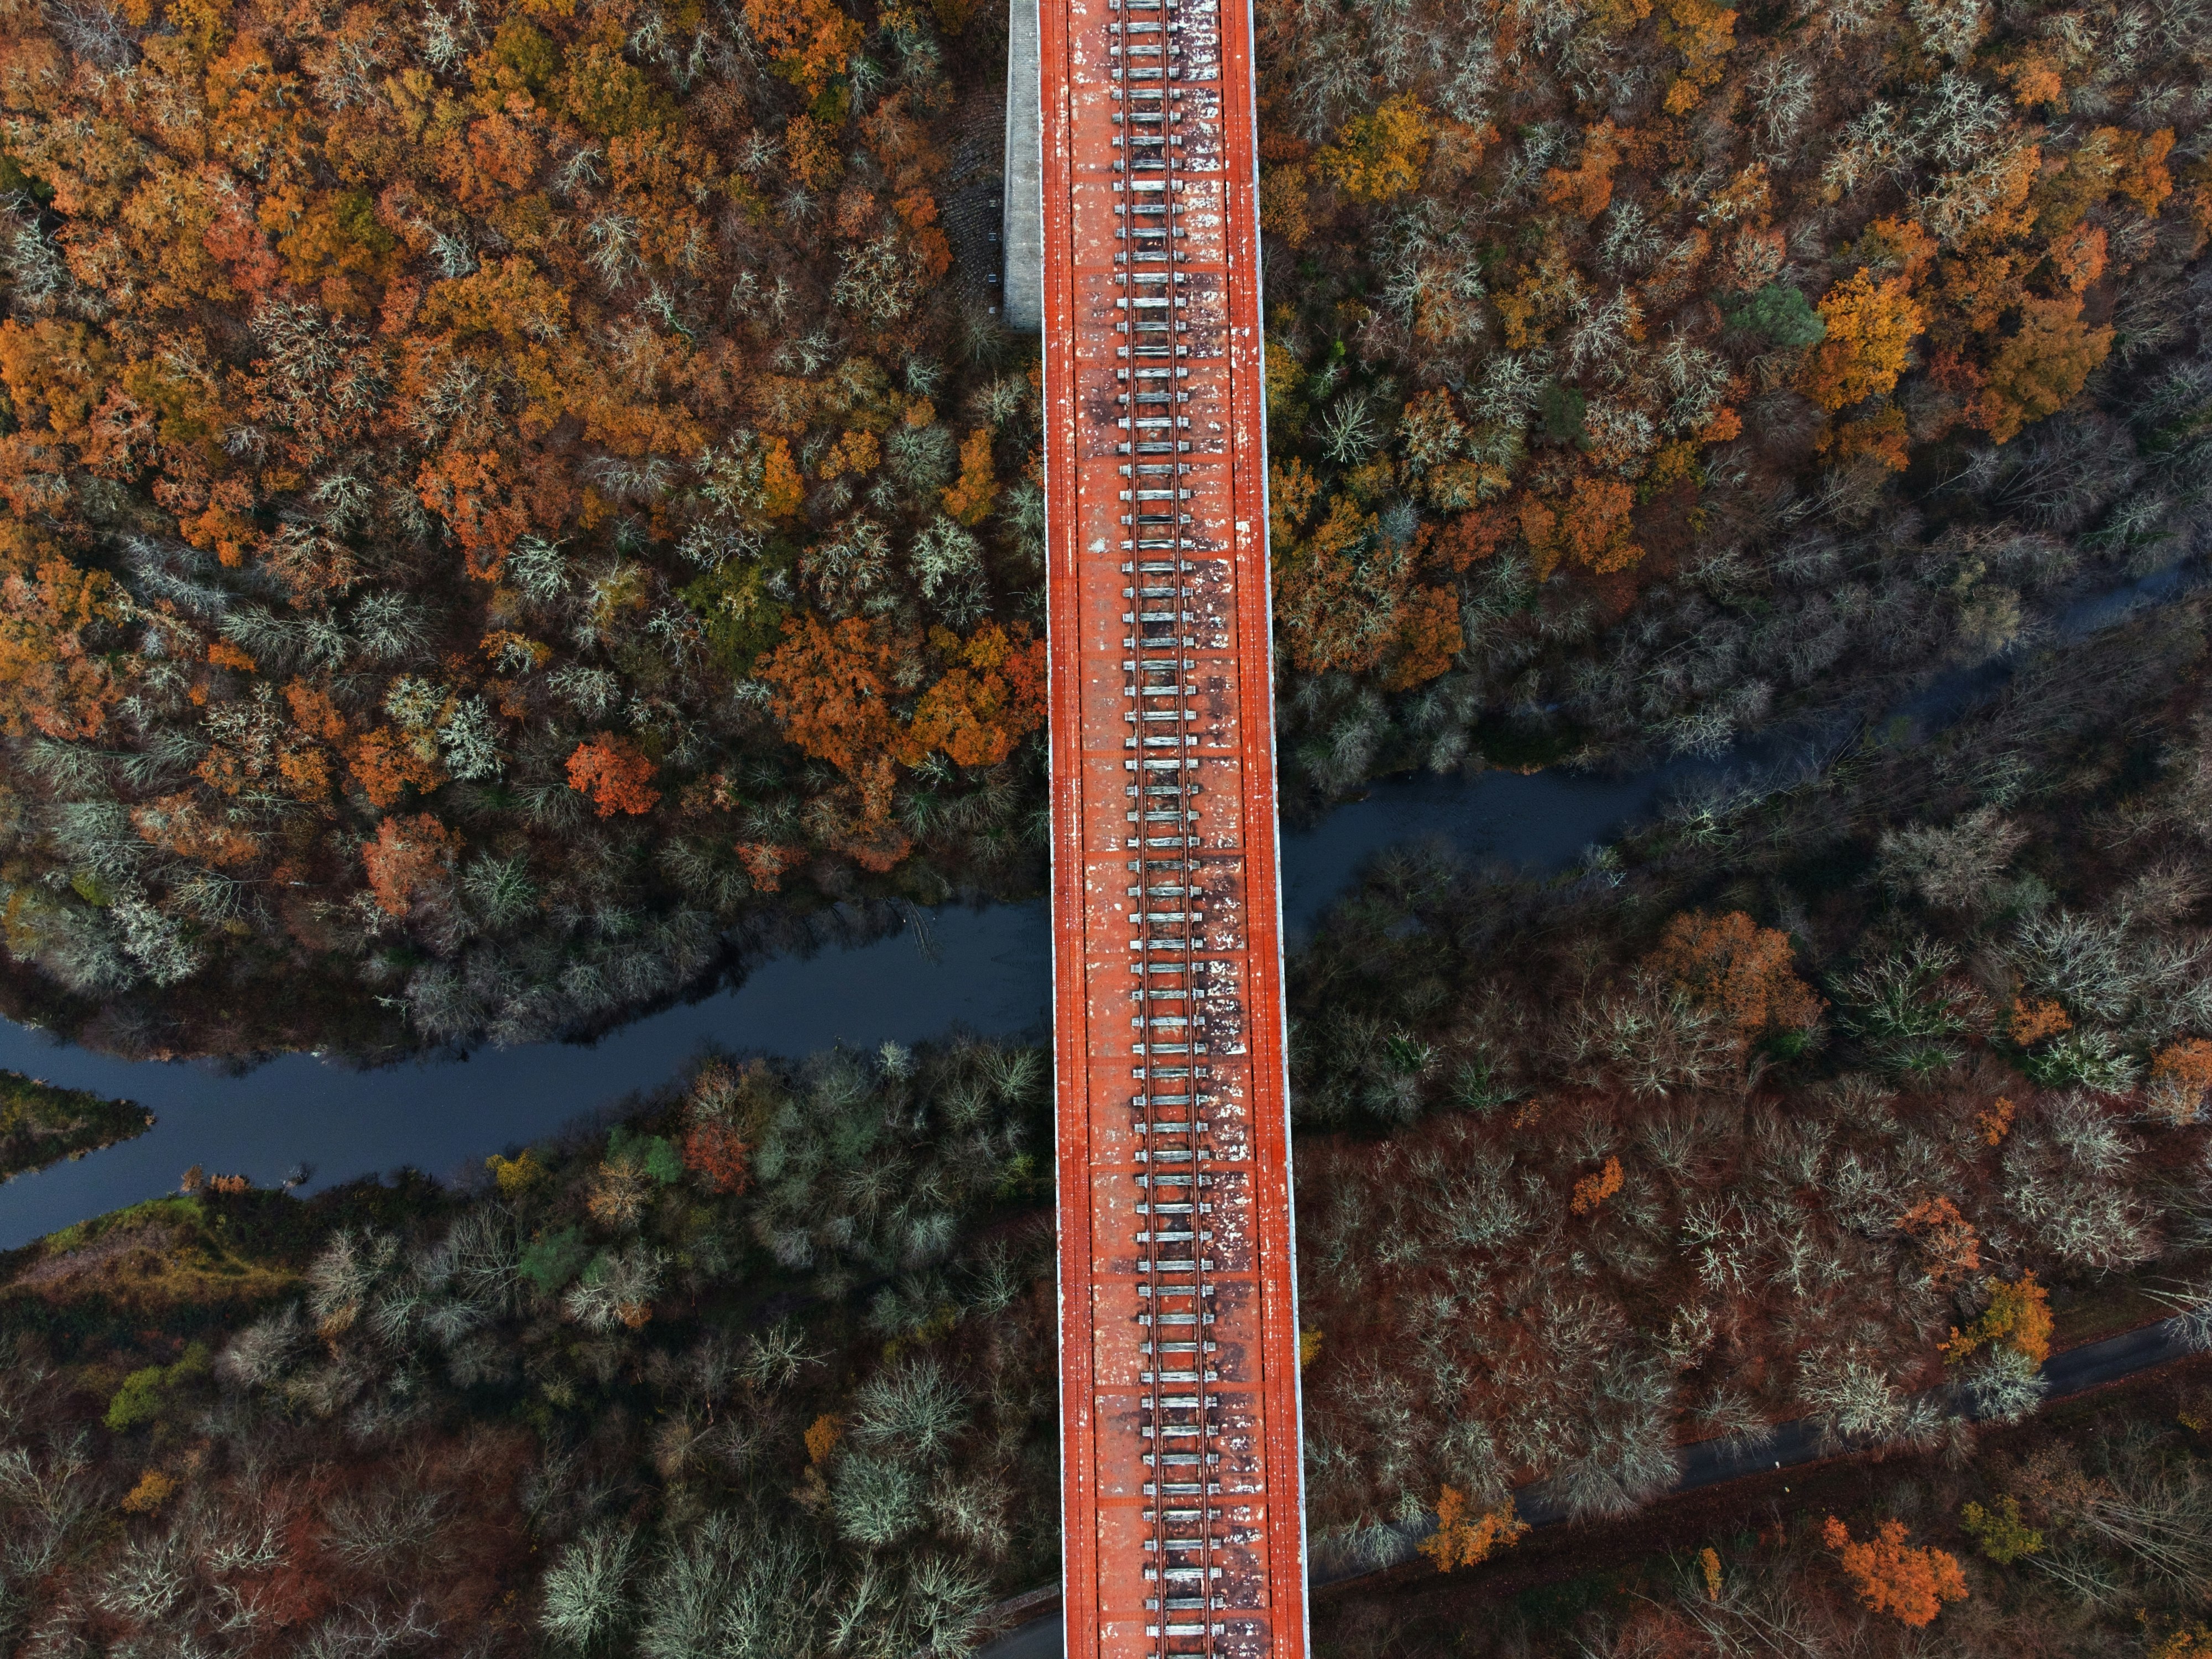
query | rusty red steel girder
[1182, 1507]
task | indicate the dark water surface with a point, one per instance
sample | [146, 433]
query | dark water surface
[988, 970]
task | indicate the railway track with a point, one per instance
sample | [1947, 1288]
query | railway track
[1183, 1513]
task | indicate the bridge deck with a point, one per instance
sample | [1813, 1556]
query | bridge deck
[1180, 1459]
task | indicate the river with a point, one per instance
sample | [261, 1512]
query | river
[987, 969]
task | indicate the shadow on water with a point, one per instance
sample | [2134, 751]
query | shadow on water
[988, 971]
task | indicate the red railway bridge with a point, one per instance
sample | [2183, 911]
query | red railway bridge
[1182, 1512]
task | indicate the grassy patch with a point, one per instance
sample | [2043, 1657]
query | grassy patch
[164, 1253]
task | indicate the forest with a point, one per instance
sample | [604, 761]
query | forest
[2084, 1535]
[1848, 1096]
[510, 510]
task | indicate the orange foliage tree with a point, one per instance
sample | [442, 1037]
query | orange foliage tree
[1948, 1240]
[55, 684]
[970, 497]
[386, 762]
[614, 773]
[409, 856]
[811, 41]
[1592, 1190]
[1462, 1539]
[980, 710]
[2032, 1021]
[833, 687]
[1910, 1584]
[1348, 601]
[1590, 527]
[2180, 1073]
[1586, 188]
[1738, 968]
[718, 1155]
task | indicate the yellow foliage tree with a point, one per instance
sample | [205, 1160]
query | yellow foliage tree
[1703, 34]
[1381, 155]
[2018, 1317]
[2040, 367]
[1871, 328]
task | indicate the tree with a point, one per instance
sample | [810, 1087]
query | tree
[2018, 1317]
[387, 762]
[1910, 1584]
[979, 710]
[1948, 1240]
[1593, 1190]
[1380, 155]
[605, 93]
[969, 500]
[409, 856]
[1429, 638]
[56, 683]
[811, 41]
[2032, 1021]
[2180, 1073]
[586, 1590]
[616, 774]
[1283, 209]
[1703, 34]
[1585, 190]
[833, 689]
[1739, 969]
[1465, 1541]
[718, 1156]
[2039, 369]
[1592, 527]
[1345, 600]
[1871, 327]
[1782, 314]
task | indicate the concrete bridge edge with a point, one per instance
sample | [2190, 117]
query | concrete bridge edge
[1022, 237]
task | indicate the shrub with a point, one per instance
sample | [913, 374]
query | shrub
[1465, 1541]
[147, 1392]
[2000, 1532]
